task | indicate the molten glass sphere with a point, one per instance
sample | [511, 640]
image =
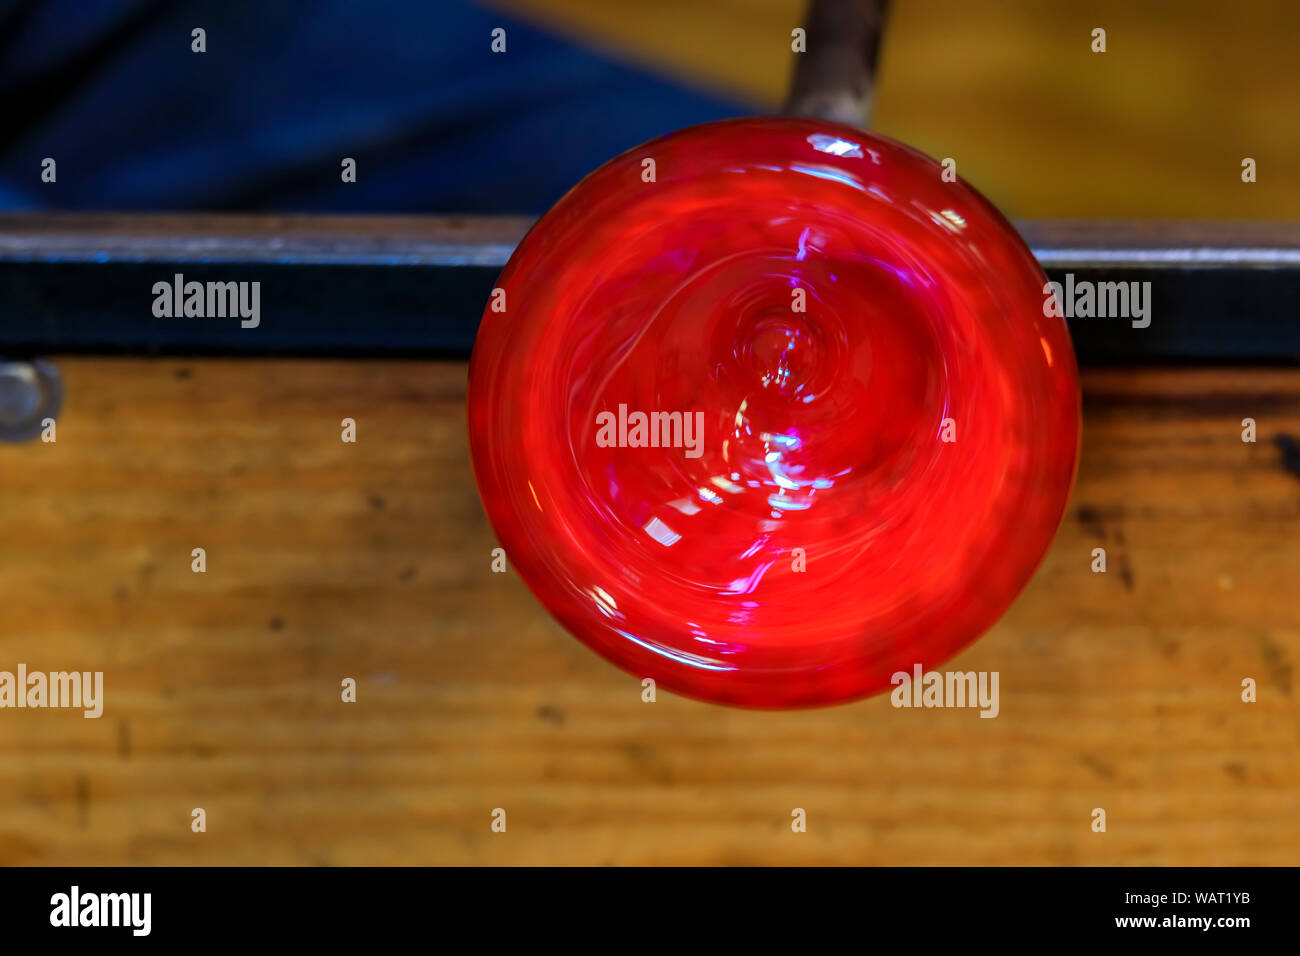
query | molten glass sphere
[767, 410]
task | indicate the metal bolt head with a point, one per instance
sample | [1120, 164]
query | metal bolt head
[30, 392]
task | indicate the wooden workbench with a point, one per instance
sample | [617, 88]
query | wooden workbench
[328, 560]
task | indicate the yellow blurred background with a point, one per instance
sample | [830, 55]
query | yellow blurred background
[1156, 127]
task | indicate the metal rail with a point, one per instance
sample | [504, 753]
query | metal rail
[379, 285]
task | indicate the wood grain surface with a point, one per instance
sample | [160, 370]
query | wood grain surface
[371, 560]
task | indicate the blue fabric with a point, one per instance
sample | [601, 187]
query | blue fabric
[436, 121]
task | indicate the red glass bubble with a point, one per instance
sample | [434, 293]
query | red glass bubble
[888, 424]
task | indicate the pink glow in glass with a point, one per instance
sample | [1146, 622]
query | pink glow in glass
[871, 427]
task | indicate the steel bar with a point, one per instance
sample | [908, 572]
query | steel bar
[1220, 292]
